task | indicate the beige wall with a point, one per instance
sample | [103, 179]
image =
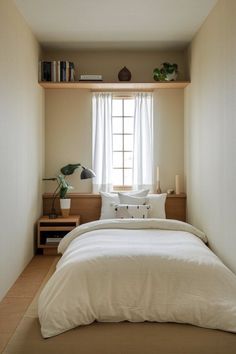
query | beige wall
[169, 136]
[21, 143]
[69, 134]
[211, 131]
[68, 112]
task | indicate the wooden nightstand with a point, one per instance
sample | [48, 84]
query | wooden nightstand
[51, 231]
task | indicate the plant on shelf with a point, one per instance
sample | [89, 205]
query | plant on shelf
[63, 187]
[168, 72]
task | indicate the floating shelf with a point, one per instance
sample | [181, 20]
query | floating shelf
[115, 85]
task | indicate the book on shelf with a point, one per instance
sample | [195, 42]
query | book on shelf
[55, 239]
[63, 71]
[71, 71]
[46, 71]
[56, 71]
[90, 77]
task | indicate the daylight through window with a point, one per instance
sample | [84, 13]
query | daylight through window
[122, 141]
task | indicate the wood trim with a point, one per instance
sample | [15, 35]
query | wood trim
[115, 85]
[46, 226]
[88, 206]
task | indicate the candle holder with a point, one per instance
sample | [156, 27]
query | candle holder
[158, 187]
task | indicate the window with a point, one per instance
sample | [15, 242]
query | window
[122, 141]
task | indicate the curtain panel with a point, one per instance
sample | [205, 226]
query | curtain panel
[143, 141]
[102, 141]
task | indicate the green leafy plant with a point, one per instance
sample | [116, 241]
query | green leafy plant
[63, 185]
[166, 72]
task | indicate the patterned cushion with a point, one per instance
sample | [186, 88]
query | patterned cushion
[108, 200]
[131, 211]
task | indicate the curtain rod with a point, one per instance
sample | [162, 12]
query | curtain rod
[122, 92]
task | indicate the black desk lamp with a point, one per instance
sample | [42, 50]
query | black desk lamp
[63, 186]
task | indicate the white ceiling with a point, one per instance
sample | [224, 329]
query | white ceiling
[123, 24]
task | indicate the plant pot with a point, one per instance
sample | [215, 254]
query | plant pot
[65, 207]
[171, 77]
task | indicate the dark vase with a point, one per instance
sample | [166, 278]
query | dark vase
[124, 74]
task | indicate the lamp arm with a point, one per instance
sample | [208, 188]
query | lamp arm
[53, 210]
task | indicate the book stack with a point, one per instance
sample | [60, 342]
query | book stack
[56, 71]
[53, 240]
[90, 77]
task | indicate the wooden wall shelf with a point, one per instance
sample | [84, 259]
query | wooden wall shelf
[115, 85]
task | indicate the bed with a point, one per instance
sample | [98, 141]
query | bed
[154, 270]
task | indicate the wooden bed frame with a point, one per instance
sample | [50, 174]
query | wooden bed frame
[88, 206]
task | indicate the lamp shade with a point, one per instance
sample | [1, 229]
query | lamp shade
[87, 173]
[69, 169]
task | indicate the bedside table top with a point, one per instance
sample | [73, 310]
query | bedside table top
[71, 218]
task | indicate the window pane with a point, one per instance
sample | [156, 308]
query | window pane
[128, 107]
[117, 142]
[128, 159]
[128, 177]
[128, 142]
[117, 125]
[117, 177]
[118, 159]
[122, 128]
[117, 107]
[128, 125]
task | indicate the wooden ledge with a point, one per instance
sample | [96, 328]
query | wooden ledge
[115, 85]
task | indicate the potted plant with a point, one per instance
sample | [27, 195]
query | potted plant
[63, 187]
[168, 72]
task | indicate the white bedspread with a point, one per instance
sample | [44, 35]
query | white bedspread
[137, 270]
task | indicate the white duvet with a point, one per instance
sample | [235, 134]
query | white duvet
[137, 270]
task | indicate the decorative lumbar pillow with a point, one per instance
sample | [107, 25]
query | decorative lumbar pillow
[108, 200]
[132, 200]
[157, 203]
[125, 211]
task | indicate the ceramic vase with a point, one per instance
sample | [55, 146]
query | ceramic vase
[65, 207]
[124, 74]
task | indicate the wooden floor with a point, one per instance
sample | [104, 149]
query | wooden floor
[21, 294]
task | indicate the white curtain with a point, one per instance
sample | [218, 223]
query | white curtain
[143, 142]
[102, 141]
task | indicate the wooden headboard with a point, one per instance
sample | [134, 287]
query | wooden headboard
[88, 206]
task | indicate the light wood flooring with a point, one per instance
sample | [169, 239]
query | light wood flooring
[20, 295]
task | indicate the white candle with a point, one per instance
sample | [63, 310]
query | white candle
[158, 174]
[177, 184]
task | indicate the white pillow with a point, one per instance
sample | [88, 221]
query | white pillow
[141, 193]
[127, 199]
[108, 199]
[131, 211]
[157, 203]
